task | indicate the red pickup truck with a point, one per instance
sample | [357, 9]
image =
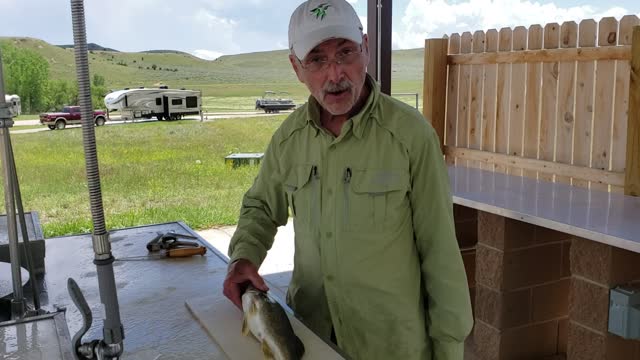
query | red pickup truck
[70, 115]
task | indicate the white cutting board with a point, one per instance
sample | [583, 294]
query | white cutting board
[223, 322]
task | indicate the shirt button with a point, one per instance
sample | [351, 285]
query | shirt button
[329, 277]
[329, 234]
[330, 192]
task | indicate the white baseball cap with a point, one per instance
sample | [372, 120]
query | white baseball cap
[315, 21]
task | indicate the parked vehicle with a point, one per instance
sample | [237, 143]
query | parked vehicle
[70, 115]
[161, 103]
[273, 102]
[14, 104]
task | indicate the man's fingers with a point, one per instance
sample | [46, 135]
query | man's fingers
[257, 281]
[239, 273]
[232, 291]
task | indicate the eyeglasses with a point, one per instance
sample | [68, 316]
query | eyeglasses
[347, 56]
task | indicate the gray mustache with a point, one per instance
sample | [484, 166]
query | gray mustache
[341, 86]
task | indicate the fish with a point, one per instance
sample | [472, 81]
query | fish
[267, 321]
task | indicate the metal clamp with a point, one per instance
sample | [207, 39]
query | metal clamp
[6, 123]
[5, 112]
[170, 240]
[101, 245]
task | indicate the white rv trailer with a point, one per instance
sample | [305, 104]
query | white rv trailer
[14, 104]
[161, 103]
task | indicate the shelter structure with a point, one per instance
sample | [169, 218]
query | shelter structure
[540, 128]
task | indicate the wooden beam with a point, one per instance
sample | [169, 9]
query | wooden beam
[435, 84]
[549, 167]
[379, 17]
[372, 34]
[632, 172]
[385, 46]
[545, 55]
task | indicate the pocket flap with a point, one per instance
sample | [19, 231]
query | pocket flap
[297, 177]
[379, 181]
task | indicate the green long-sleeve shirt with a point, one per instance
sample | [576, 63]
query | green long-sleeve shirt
[376, 255]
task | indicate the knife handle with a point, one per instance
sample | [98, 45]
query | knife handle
[186, 252]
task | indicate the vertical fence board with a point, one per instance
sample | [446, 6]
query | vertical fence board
[621, 101]
[605, 79]
[517, 102]
[477, 73]
[566, 100]
[475, 108]
[532, 103]
[453, 84]
[503, 97]
[435, 85]
[584, 101]
[549, 99]
[489, 98]
[463, 96]
[632, 173]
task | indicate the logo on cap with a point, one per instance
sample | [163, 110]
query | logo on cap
[320, 11]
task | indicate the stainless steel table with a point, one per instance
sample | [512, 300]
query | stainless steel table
[151, 294]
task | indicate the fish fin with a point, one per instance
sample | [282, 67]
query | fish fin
[266, 351]
[245, 326]
[253, 308]
[299, 347]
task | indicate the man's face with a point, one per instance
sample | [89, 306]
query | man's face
[337, 87]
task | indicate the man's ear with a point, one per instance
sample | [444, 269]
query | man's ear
[296, 67]
[365, 46]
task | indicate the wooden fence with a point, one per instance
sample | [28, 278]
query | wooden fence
[559, 102]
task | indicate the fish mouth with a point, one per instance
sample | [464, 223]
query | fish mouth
[250, 289]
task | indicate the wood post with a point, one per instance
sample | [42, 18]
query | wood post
[435, 84]
[632, 178]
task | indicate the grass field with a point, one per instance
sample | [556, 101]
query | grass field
[150, 173]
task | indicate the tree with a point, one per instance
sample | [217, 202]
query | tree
[26, 74]
[60, 93]
[98, 91]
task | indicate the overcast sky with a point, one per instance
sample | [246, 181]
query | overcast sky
[210, 28]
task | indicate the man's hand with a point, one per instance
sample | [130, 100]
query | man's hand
[240, 272]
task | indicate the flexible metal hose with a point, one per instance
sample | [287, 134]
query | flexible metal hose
[112, 345]
[88, 130]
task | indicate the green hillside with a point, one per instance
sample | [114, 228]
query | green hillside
[228, 76]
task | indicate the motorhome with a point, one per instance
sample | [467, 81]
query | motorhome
[161, 103]
[14, 104]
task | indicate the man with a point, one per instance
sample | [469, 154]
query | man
[376, 260]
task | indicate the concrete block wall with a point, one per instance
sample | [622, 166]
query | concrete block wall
[595, 269]
[466, 223]
[522, 282]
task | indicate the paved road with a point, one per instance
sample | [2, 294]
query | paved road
[115, 120]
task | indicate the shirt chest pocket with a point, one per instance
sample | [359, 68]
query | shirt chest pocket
[302, 188]
[374, 198]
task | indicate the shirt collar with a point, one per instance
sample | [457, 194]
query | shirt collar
[360, 119]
